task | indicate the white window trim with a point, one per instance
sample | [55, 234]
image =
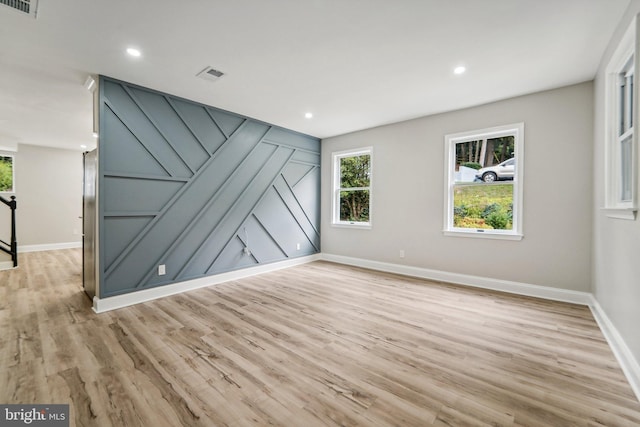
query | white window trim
[516, 129]
[335, 182]
[613, 206]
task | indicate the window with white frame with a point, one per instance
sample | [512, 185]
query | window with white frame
[625, 133]
[352, 187]
[483, 183]
[620, 138]
[7, 173]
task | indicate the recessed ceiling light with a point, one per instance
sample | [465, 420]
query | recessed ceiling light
[308, 115]
[133, 51]
[83, 146]
[459, 70]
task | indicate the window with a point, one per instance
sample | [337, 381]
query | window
[352, 188]
[6, 174]
[483, 186]
[625, 133]
[620, 138]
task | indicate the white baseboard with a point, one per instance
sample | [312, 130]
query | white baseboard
[625, 357]
[101, 305]
[556, 294]
[6, 265]
[628, 362]
[49, 247]
[623, 354]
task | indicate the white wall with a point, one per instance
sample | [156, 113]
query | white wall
[616, 248]
[408, 186]
[48, 185]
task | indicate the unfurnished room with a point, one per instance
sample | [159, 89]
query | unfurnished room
[319, 213]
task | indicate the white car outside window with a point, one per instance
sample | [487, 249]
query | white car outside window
[502, 171]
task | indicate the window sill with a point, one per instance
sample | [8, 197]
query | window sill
[621, 213]
[482, 235]
[363, 226]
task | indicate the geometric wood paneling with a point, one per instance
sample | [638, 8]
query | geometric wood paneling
[189, 186]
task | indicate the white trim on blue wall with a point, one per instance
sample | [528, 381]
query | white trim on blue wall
[100, 305]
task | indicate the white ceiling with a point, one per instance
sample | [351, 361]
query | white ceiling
[354, 63]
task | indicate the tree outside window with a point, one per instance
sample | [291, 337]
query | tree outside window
[483, 192]
[352, 187]
[6, 174]
[478, 205]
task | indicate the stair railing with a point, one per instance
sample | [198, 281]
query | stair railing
[11, 248]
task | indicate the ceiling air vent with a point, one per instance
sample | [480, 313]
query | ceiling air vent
[208, 73]
[30, 7]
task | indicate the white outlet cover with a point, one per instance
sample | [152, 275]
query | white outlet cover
[162, 270]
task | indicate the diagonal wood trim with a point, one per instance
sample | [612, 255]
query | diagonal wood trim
[144, 176]
[302, 162]
[168, 206]
[215, 122]
[236, 231]
[125, 214]
[293, 194]
[252, 255]
[294, 147]
[193, 231]
[125, 123]
[128, 276]
[184, 122]
[157, 128]
[253, 208]
[312, 169]
[204, 210]
[266, 232]
[295, 217]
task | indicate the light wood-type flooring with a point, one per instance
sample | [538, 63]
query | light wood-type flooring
[315, 345]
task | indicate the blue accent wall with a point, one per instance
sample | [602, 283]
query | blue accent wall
[189, 186]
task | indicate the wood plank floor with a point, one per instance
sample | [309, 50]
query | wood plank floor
[315, 345]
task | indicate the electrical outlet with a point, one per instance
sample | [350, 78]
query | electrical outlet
[401, 253]
[297, 246]
[247, 251]
[162, 270]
